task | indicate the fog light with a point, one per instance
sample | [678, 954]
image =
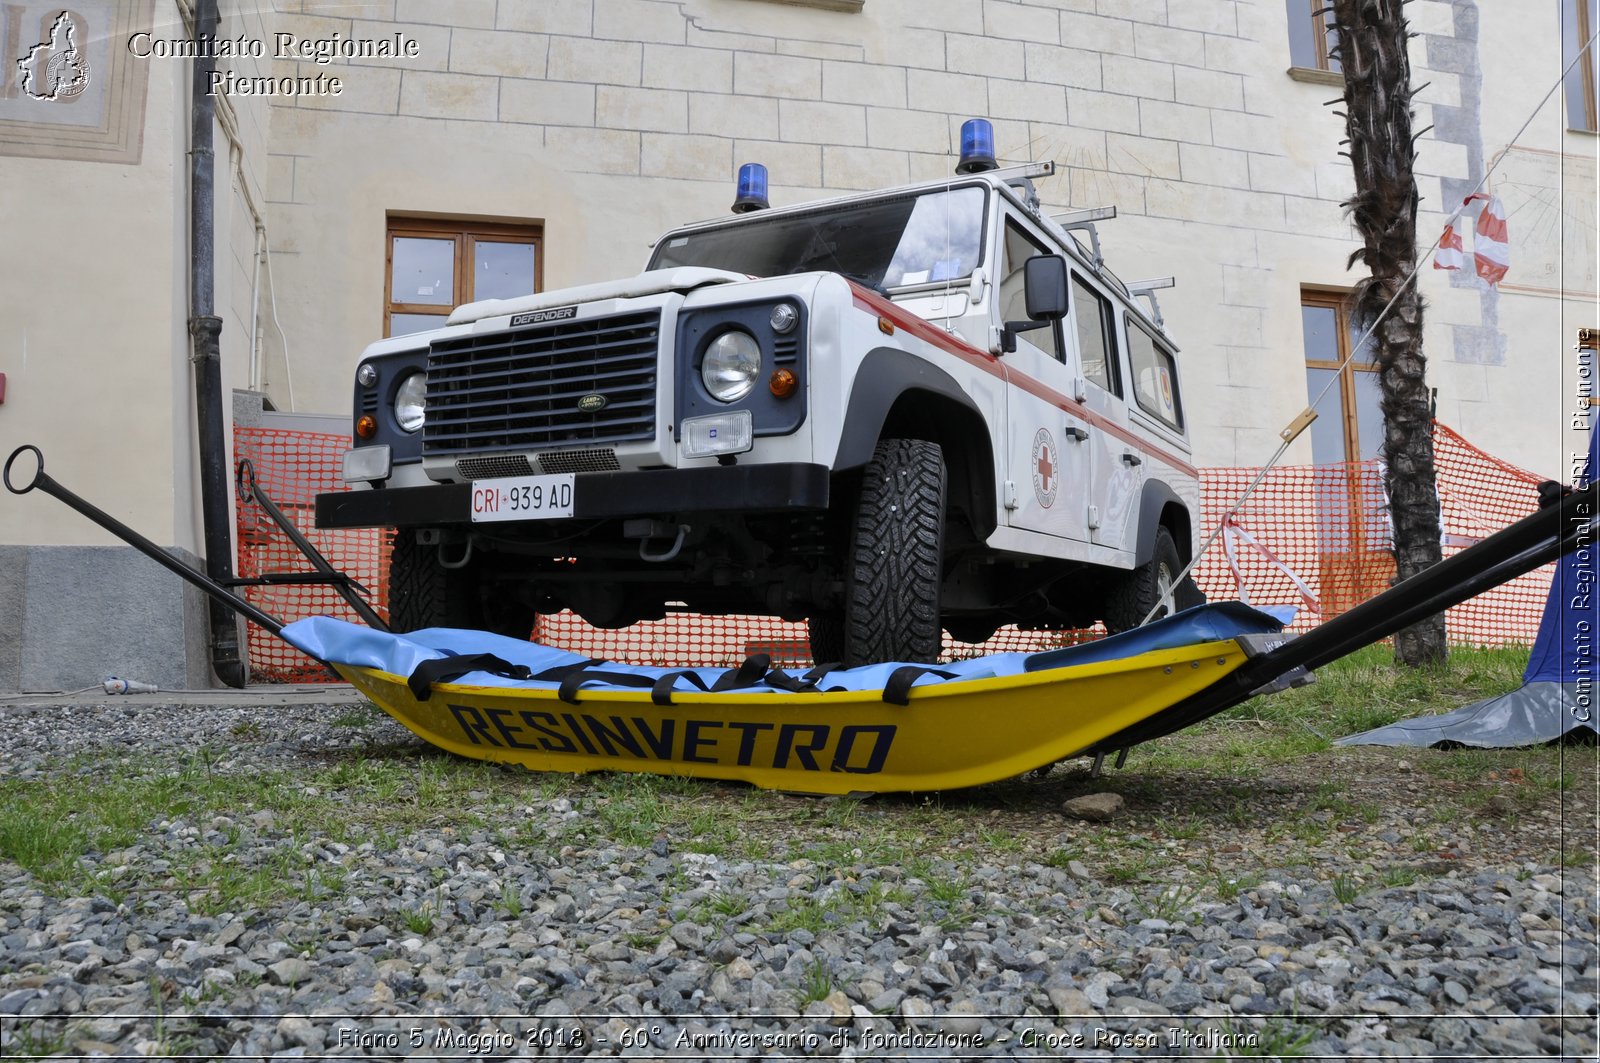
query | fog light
[782, 383]
[365, 463]
[720, 433]
[367, 426]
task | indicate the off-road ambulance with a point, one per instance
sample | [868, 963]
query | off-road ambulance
[930, 407]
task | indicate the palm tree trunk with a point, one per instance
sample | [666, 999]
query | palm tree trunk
[1377, 75]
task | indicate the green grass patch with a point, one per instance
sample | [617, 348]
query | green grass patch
[1368, 689]
[1356, 693]
[1228, 887]
[1174, 904]
[35, 1038]
[1398, 876]
[815, 984]
[1276, 1037]
[50, 825]
[1137, 865]
[637, 808]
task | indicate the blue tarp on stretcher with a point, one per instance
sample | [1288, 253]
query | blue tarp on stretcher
[399, 654]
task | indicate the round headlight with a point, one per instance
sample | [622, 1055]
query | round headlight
[731, 365]
[410, 402]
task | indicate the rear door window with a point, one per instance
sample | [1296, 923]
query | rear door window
[1155, 376]
[1096, 336]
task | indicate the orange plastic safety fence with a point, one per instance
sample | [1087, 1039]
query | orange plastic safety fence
[292, 468]
[1315, 537]
[1318, 537]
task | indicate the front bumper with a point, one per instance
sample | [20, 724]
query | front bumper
[596, 495]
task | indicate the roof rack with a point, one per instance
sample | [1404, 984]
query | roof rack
[1148, 289]
[1083, 221]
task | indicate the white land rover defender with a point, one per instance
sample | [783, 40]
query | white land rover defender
[889, 413]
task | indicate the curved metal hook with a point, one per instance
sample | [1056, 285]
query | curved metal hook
[38, 472]
[244, 481]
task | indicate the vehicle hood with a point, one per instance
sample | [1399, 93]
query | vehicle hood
[652, 282]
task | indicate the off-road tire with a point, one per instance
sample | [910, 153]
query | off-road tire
[423, 593]
[1136, 593]
[826, 635]
[896, 556]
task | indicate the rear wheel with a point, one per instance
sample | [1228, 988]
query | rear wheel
[424, 593]
[1153, 585]
[896, 556]
[826, 632]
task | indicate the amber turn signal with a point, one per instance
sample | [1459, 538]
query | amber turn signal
[367, 426]
[782, 383]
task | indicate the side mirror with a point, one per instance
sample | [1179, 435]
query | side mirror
[1044, 283]
[1044, 290]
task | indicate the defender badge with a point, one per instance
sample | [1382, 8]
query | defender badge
[593, 403]
[539, 317]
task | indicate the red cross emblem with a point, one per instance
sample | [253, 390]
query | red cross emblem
[1044, 468]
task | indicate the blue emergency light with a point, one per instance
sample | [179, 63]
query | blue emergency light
[752, 193]
[977, 147]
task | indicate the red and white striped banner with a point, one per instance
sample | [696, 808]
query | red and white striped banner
[1491, 249]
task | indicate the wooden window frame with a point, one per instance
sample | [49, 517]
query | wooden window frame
[1320, 19]
[1585, 71]
[848, 7]
[1323, 71]
[465, 233]
[1339, 302]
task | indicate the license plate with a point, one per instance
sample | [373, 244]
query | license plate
[523, 497]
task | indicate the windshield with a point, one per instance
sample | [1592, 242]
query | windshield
[883, 243]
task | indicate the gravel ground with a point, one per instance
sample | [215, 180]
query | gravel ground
[308, 879]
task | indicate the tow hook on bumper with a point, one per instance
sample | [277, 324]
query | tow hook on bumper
[647, 531]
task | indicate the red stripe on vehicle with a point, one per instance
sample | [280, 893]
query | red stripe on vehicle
[872, 302]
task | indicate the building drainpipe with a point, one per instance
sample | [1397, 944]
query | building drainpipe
[205, 332]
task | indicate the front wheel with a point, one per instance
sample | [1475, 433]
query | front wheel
[826, 635]
[1153, 585]
[424, 593]
[896, 557]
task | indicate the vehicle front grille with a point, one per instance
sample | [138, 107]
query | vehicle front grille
[521, 390]
[489, 468]
[600, 459]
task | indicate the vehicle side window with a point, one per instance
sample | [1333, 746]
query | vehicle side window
[1019, 247]
[1096, 338]
[1155, 376]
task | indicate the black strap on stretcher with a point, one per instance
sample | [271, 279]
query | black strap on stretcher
[756, 670]
[444, 669]
[897, 691]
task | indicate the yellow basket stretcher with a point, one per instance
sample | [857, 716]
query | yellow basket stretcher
[882, 728]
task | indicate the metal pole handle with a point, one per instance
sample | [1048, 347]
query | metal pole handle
[217, 591]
